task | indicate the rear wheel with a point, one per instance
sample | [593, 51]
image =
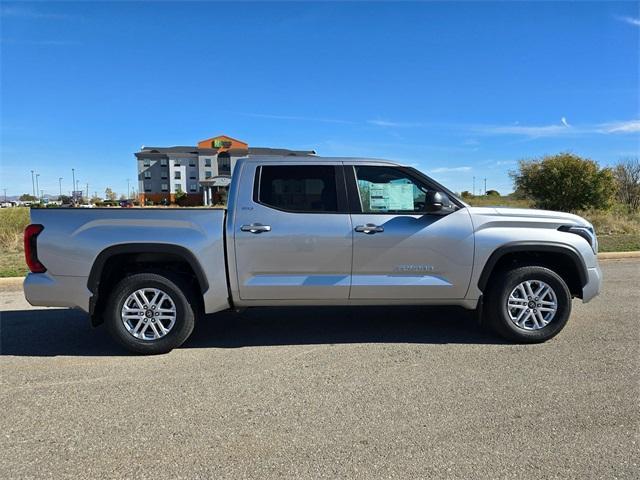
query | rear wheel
[150, 313]
[528, 304]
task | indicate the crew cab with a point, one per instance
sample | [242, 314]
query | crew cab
[311, 231]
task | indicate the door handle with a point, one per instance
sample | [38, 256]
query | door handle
[256, 228]
[369, 228]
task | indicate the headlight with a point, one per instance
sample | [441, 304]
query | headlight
[588, 233]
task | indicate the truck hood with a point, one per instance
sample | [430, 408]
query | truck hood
[527, 216]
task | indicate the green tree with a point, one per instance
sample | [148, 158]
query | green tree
[25, 197]
[110, 194]
[565, 182]
[492, 193]
[627, 175]
[180, 196]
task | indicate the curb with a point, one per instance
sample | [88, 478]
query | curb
[11, 281]
[15, 281]
[611, 255]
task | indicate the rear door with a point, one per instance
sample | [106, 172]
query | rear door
[399, 250]
[292, 232]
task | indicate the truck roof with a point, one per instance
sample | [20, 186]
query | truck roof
[316, 159]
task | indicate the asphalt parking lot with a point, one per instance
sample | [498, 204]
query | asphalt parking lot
[326, 393]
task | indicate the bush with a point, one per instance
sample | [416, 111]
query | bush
[12, 224]
[466, 194]
[627, 175]
[493, 193]
[565, 182]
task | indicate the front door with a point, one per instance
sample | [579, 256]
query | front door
[399, 250]
[292, 231]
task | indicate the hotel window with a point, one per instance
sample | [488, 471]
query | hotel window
[207, 174]
[193, 187]
[192, 175]
[163, 162]
[177, 187]
[146, 162]
[164, 174]
[192, 162]
[147, 174]
[176, 175]
[147, 186]
[207, 162]
[165, 187]
[224, 164]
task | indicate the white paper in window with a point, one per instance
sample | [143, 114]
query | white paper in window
[389, 196]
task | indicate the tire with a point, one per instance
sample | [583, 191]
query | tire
[169, 323]
[503, 313]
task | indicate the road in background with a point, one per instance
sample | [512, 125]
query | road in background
[326, 392]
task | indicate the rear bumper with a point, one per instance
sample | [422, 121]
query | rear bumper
[593, 285]
[46, 290]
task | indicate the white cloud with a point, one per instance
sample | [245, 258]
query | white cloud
[563, 129]
[631, 126]
[294, 117]
[46, 43]
[533, 131]
[450, 169]
[21, 12]
[387, 123]
[630, 20]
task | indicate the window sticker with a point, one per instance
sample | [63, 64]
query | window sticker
[390, 196]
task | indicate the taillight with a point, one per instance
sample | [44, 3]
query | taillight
[31, 248]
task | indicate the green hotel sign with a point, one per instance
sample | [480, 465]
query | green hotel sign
[217, 143]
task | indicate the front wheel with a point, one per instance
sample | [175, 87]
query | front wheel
[150, 313]
[528, 304]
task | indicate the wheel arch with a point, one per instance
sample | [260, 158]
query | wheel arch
[563, 259]
[129, 258]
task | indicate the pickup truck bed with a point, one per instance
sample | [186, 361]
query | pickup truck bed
[76, 244]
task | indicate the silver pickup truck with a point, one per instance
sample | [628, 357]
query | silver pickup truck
[312, 231]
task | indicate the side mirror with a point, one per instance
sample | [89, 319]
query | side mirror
[435, 201]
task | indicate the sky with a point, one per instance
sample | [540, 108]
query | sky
[459, 90]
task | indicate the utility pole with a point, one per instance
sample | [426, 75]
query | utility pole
[87, 191]
[5, 195]
[60, 184]
[485, 186]
[37, 186]
[73, 172]
[128, 190]
[33, 184]
[473, 190]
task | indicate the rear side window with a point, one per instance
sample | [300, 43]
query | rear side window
[299, 188]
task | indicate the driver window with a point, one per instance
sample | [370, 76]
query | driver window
[389, 190]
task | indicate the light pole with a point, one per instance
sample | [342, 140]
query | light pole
[38, 186]
[473, 192]
[87, 191]
[60, 184]
[5, 195]
[73, 172]
[128, 191]
[485, 186]
[33, 184]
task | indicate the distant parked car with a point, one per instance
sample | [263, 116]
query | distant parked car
[126, 203]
